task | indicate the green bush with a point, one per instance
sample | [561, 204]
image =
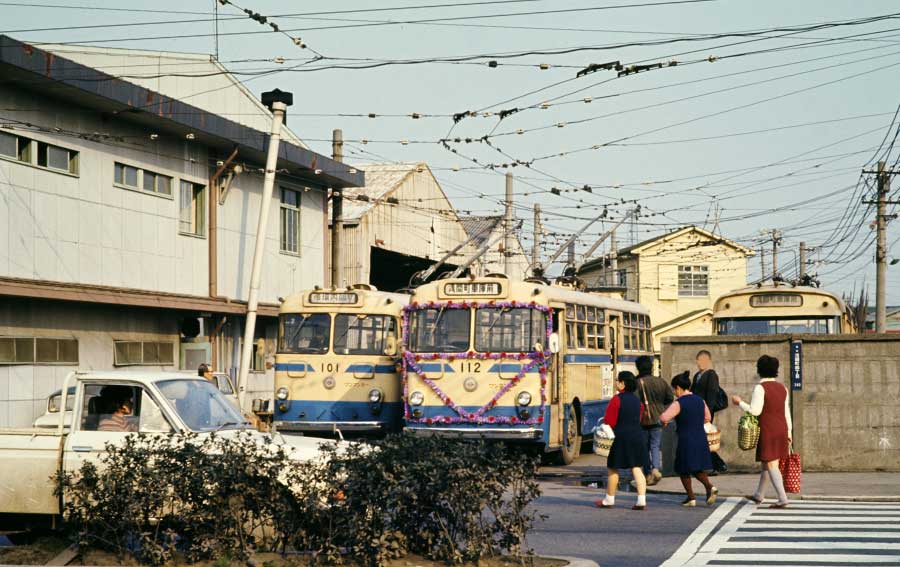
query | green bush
[207, 497]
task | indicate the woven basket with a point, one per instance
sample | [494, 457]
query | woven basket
[602, 445]
[715, 440]
[748, 432]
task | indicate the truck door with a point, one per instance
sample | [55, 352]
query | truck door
[108, 412]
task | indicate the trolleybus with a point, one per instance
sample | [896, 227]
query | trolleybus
[336, 366]
[782, 309]
[515, 360]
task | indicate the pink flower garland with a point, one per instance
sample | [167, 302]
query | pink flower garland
[537, 359]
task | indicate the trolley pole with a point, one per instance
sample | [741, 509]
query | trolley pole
[337, 211]
[613, 258]
[277, 101]
[536, 236]
[508, 223]
[884, 186]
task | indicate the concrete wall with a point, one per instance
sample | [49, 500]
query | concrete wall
[845, 417]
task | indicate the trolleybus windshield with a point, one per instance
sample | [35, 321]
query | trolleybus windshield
[305, 334]
[816, 326]
[439, 330]
[509, 330]
[362, 334]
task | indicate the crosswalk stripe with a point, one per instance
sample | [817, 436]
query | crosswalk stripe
[824, 533]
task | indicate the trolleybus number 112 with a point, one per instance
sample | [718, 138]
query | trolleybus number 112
[470, 366]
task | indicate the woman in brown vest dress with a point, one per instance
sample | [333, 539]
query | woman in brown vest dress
[770, 402]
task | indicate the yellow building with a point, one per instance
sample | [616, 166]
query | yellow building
[677, 276]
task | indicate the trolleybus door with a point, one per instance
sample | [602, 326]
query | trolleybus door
[614, 343]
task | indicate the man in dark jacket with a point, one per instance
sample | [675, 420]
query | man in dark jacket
[656, 395]
[706, 385]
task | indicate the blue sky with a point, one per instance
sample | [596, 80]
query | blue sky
[776, 139]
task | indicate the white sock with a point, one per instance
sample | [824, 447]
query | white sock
[609, 500]
[642, 500]
[778, 483]
[761, 487]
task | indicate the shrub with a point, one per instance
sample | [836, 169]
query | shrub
[207, 497]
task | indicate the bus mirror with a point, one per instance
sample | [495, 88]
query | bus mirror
[553, 343]
[390, 346]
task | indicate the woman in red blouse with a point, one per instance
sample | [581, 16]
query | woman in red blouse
[629, 449]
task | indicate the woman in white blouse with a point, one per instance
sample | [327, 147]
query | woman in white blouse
[771, 403]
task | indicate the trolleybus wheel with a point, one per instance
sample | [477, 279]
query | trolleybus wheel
[571, 446]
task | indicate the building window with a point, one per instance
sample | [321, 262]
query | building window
[693, 281]
[128, 353]
[48, 156]
[192, 209]
[131, 177]
[258, 360]
[290, 221]
[38, 351]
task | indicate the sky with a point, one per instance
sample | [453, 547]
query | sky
[737, 134]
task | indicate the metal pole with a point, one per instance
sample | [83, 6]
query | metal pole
[570, 256]
[507, 223]
[774, 257]
[802, 270]
[278, 101]
[536, 243]
[881, 253]
[337, 211]
[613, 257]
[762, 264]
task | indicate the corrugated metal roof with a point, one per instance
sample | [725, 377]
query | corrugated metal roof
[483, 224]
[381, 180]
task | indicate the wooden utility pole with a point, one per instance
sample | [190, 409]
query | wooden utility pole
[536, 236]
[802, 270]
[884, 186]
[337, 211]
[762, 263]
[508, 223]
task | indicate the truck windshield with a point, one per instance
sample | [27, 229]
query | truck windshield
[304, 333]
[200, 405]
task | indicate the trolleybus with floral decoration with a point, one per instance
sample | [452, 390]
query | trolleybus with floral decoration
[336, 366]
[515, 360]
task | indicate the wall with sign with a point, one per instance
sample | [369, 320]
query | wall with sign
[844, 391]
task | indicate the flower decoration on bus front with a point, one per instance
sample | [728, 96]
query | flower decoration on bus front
[536, 360]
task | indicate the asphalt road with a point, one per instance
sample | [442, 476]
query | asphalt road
[621, 536]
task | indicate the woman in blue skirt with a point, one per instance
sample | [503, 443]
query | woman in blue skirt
[692, 456]
[629, 450]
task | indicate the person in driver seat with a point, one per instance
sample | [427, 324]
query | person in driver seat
[117, 401]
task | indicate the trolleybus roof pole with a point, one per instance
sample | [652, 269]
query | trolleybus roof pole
[422, 277]
[609, 232]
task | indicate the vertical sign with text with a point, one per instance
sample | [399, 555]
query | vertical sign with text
[796, 365]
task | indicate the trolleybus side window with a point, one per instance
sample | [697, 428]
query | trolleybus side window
[305, 333]
[584, 327]
[439, 330]
[362, 334]
[509, 330]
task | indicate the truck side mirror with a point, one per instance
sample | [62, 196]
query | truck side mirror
[553, 343]
[390, 346]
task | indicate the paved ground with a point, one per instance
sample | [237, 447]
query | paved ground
[870, 486]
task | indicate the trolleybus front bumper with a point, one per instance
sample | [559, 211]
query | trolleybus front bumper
[505, 434]
[332, 426]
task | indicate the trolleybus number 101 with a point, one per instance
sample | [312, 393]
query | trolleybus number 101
[330, 367]
[470, 366]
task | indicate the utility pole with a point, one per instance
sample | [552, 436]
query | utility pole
[508, 223]
[613, 257]
[337, 211]
[762, 264]
[884, 186]
[277, 101]
[802, 270]
[536, 243]
[775, 235]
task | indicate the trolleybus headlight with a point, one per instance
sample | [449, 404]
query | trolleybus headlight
[523, 399]
[375, 396]
[282, 393]
[416, 398]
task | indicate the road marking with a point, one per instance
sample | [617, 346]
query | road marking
[692, 544]
[825, 533]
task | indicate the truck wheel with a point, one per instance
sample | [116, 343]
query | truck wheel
[571, 446]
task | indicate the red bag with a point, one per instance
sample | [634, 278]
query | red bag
[791, 472]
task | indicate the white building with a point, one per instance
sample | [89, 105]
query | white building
[128, 211]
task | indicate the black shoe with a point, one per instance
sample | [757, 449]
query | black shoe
[713, 473]
[722, 469]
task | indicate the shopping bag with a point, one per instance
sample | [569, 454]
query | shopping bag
[603, 439]
[748, 432]
[713, 437]
[791, 472]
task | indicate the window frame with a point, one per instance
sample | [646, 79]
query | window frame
[694, 272]
[139, 187]
[34, 360]
[143, 362]
[586, 327]
[636, 333]
[28, 152]
[284, 209]
[197, 206]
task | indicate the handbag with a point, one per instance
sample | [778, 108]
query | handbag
[603, 439]
[647, 419]
[748, 432]
[713, 437]
[721, 400]
[791, 472]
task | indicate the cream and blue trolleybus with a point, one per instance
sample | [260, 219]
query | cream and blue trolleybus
[515, 360]
[336, 366]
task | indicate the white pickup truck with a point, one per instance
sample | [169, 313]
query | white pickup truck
[157, 402]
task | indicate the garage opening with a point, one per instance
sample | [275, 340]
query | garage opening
[392, 271]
